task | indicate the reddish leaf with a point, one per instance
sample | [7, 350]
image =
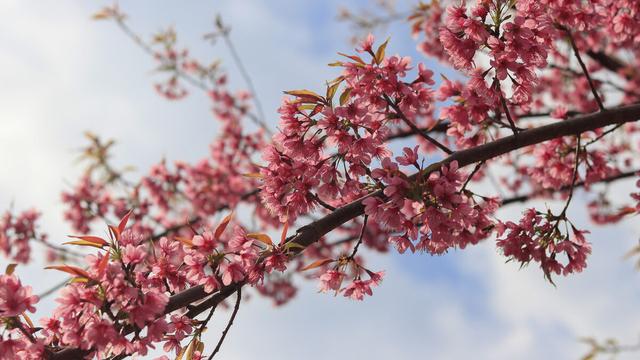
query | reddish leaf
[90, 239]
[102, 266]
[261, 237]
[284, 231]
[70, 270]
[355, 58]
[83, 243]
[185, 241]
[316, 264]
[123, 222]
[223, 225]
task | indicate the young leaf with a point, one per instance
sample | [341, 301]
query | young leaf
[283, 236]
[185, 241]
[76, 271]
[316, 264]
[355, 58]
[261, 237]
[381, 52]
[10, 269]
[89, 239]
[305, 95]
[28, 320]
[83, 243]
[114, 232]
[102, 266]
[255, 175]
[344, 97]
[223, 225]
[123, 222]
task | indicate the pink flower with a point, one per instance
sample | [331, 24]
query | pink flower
[358, 289]
[331, 280]
[231, 272]
[15, 298]
[133, 255]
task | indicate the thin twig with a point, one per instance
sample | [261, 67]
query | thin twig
[364, 227]
[584, 69]
[413, 126]
[475, 170]
[575, 177]
[226, 330]
[247, 79]
[503, 101]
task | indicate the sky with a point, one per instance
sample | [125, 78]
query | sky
[63, 74]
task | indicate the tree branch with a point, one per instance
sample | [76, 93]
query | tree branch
[313, 231]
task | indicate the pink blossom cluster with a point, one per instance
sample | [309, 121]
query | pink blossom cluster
[432, 214]
[375, 96]
[332, 281]
[86, 202]
[16, 232]
[517, 43]
[117, 303]
[15, 301]
[555, 162]
[539, 237]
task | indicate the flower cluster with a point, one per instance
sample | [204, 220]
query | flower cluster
[16, 231]
[86, 202]
[15, 300]
[432, 214]
[118, 303]
[375, 97]
[539, 237]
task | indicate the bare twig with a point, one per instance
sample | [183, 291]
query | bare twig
[226, 330]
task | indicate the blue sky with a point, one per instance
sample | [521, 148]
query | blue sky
[63, 74]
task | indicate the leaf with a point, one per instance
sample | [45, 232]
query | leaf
[336, 63]
[316, 264]
[70, 270]
[28, 320]
[355, 58]
[381, 52]
[261, 237]
[188, 355]
[79, 280]
[82, 243]
[103, 14]
[102, 266]
[331, 90]
[10, 269]
[89, 239]
[223, 225]
[255, 175]
[305, 94]
[284, 231]
[316, 110]
[185, 241]
[291, 245]
[123, 222]
[344, 97]
[181, 353]
[114, 232]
